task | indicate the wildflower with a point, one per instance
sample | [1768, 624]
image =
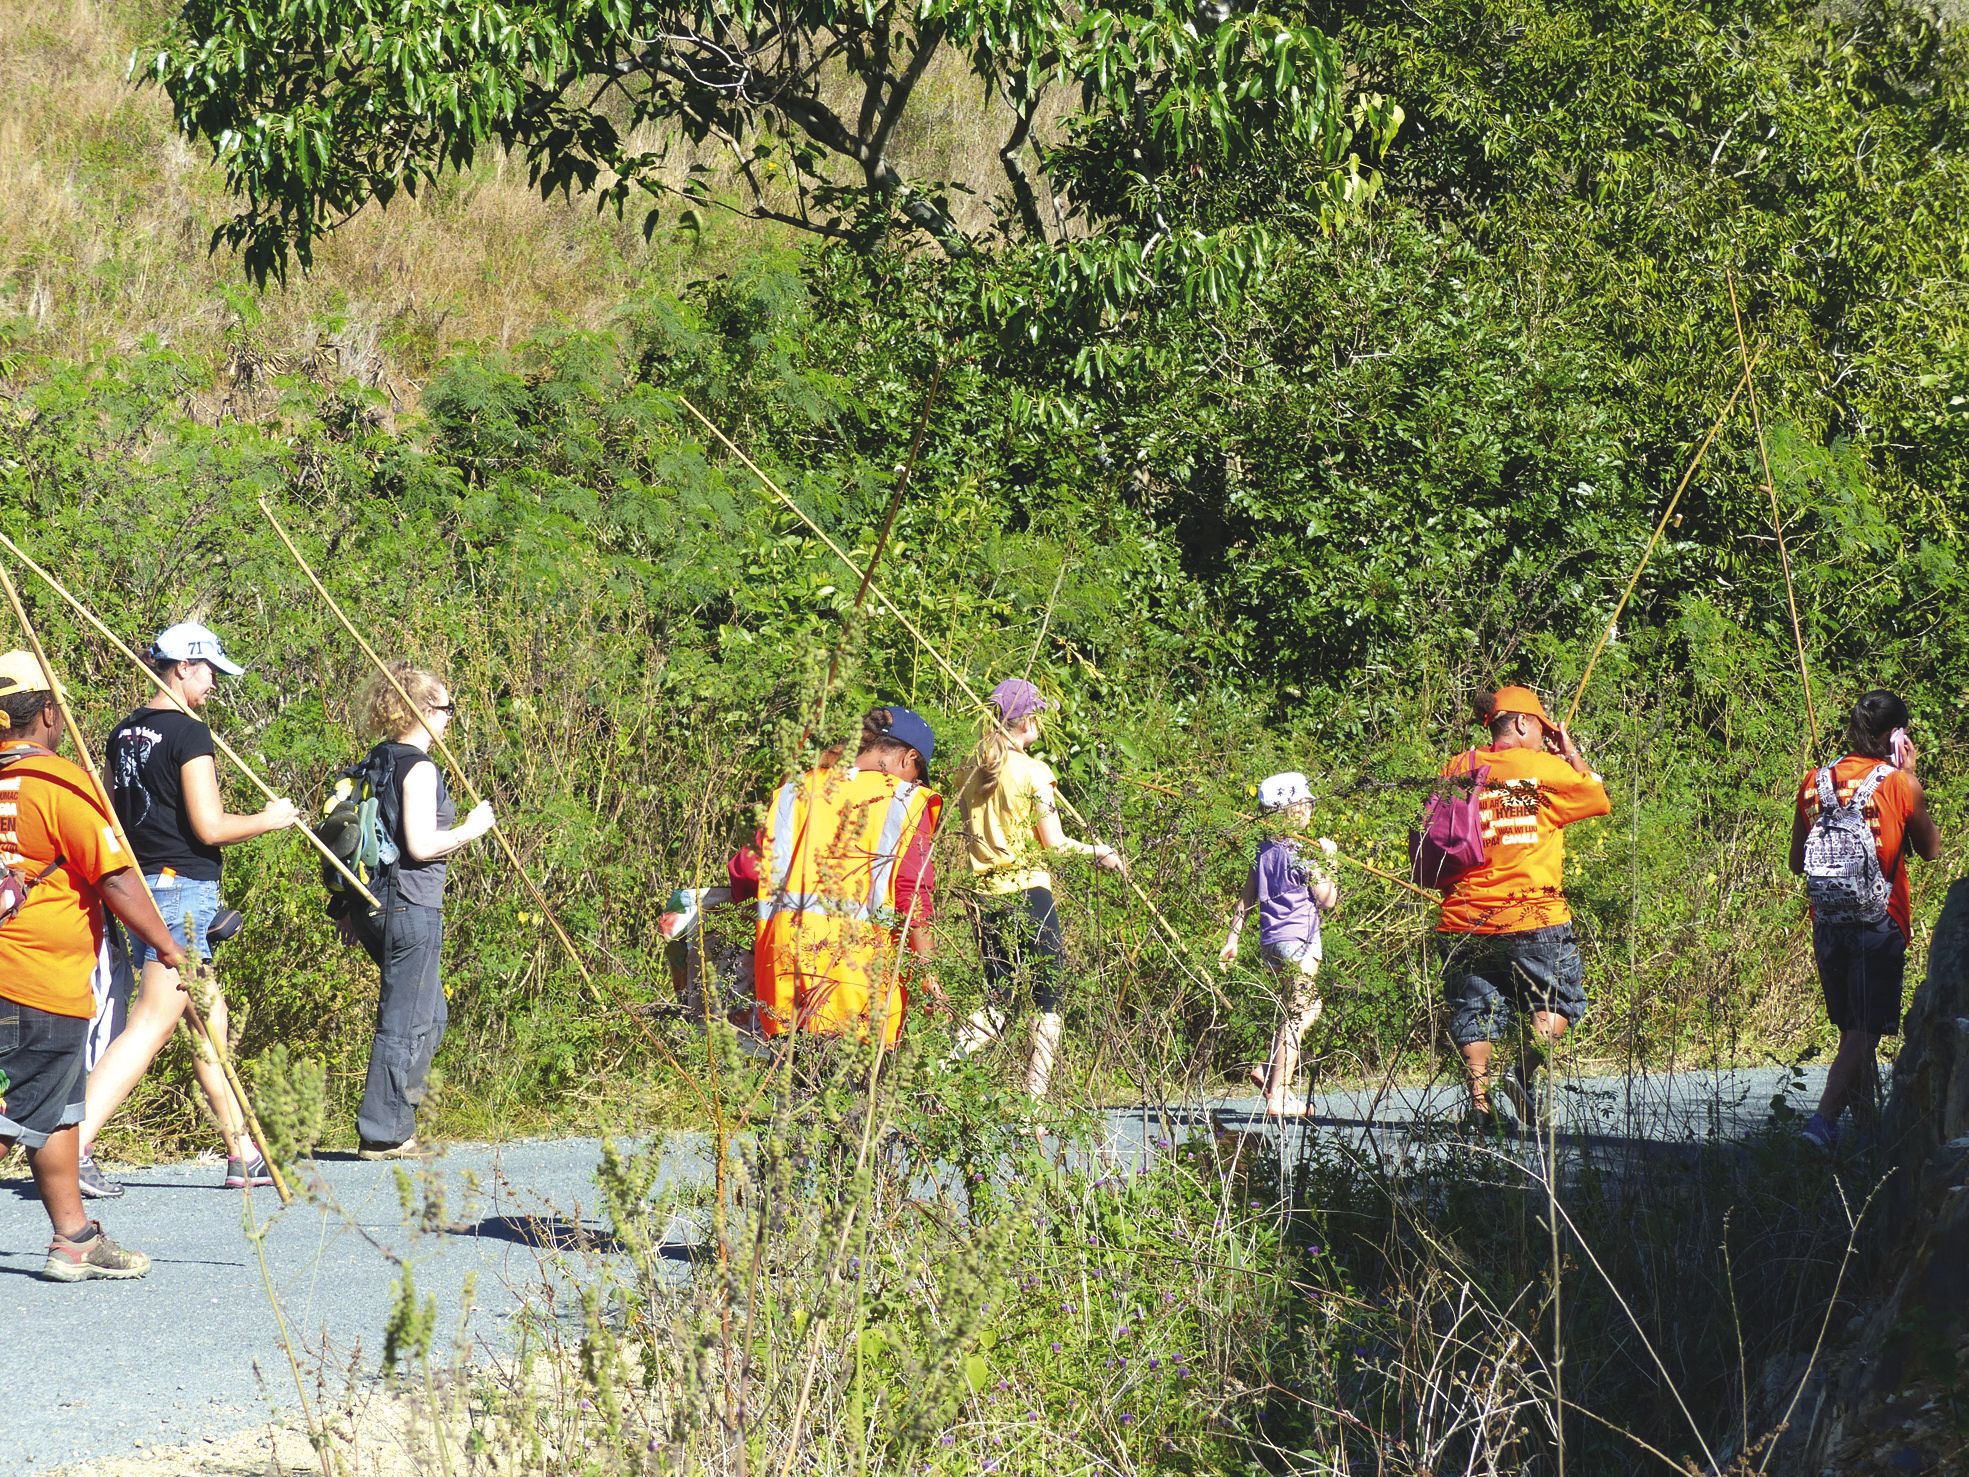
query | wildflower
[948, 1439]
[1127, 1418]
[1056, 1346]
[1032, 1415]
[1154, 1363]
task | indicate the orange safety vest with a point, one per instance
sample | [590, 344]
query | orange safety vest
[828, 958]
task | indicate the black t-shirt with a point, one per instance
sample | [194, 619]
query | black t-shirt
[147, 753]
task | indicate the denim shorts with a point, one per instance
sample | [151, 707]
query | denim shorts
[1862, 967]
[177, 896]
[1487, 976]
[41, 1053]
[1294, 955]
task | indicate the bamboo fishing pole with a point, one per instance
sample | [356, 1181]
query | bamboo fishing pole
[158, 682]
[196, 1019]
[1660, 528]
[1777, 518]
[1173, 939]
[411, 705]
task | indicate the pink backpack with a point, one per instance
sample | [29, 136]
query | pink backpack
[1450, 841]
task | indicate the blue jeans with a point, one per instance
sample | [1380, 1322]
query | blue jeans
[177, 896]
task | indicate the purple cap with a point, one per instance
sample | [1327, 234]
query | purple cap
[1017, 700]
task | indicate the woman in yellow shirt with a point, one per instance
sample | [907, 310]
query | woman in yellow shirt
[1011, 821]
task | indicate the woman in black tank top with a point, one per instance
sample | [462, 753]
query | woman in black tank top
[405, 936]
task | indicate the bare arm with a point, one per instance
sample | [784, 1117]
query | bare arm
[1923, 835]
[1247, 899]
[422, 836]
[1052, 835]
[211, 822]
[129, 900]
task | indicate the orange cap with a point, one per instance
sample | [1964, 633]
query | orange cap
[1520, 700]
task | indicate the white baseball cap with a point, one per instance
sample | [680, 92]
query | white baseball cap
[1280, 790]
[188, 641]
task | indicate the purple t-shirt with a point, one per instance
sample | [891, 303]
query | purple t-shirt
[1288, 918]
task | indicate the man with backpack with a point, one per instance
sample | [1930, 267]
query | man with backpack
[1505, 931]
[61, 861]
[1856, 820]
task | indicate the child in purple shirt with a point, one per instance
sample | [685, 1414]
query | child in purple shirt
[1291, 896]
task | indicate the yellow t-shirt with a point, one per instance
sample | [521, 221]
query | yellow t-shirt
[1001, 831]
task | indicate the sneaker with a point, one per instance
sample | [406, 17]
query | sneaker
[96, 1256]
[1820, 1134]
[243, 1174]
[95, 1184]
[408, 1149]
[1523, 1098]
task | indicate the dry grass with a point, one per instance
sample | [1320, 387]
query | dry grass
[106, 214]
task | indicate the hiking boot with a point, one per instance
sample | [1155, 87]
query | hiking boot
[95, 1256]
[244, 1173]
[408, 1149]
[95, 1184]
[1820, 1134]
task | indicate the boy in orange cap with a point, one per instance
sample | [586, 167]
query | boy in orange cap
[1506, 931]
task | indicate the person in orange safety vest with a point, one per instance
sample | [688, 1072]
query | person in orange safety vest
[846, 885]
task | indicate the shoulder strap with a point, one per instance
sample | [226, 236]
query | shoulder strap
[1877, 777]
[1828, 792]
[26, 751]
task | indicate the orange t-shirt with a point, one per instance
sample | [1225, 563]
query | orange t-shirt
[1886, 817]
[49, 808]
[1529, 800]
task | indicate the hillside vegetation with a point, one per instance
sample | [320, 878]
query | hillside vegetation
[1421, 456]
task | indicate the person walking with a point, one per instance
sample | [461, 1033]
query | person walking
[1505, 931]
[405, 936]
[847, 885]
[1010, 804]
[1292, 896]
[164, 784]
[1855, 823]
[64, 866]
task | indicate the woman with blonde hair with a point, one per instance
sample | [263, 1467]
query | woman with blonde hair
[405, 936]
[1011, 811]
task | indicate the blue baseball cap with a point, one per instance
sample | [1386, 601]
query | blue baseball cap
[909, 727]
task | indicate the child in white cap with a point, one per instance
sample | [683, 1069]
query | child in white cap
[1291, 896]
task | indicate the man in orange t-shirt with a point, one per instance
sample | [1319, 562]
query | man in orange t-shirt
[1862, 961]
[56, 837]
[1506, 932]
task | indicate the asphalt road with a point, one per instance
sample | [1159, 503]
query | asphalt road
[192, 1350]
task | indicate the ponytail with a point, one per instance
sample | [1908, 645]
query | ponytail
[1870, 731]
[988, 762]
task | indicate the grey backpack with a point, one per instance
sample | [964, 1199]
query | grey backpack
[1842, 866]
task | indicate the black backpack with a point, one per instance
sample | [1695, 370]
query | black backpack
[360, 822]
